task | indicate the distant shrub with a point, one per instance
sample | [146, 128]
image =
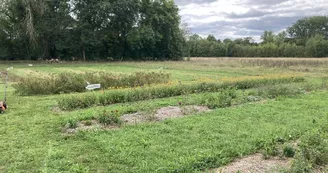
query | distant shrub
[138, 94]
[220, 100]
[280, 90]
[73, 82]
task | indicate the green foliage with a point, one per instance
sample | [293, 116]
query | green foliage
[72, 82]
[317, 46]
[109, 118]
[308, 27]
[313, 151]
[303, 41]
[91, 30]
[289, 151]
[280, 90]
[72, 124]
[131, 95]
[268, 37]
[220, 100]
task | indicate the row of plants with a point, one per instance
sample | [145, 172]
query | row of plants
[137, 94]
[224, 98]
[110, 116]
[74, 82]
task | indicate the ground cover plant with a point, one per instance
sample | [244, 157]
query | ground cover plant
[243, 120]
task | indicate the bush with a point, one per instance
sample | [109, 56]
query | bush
[138, 94]
[73, 82]
[72, 124]
[289, 151]
[220, 100]
[313, 151]
[109, 119]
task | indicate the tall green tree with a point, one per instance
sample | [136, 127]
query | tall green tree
[267, 37]
[308, 27]
[211, 38]
[317, 46]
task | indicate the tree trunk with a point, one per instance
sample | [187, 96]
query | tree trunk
[83, 52]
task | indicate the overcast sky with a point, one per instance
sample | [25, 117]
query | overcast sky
[243, 18]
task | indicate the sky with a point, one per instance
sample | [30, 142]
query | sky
[243, 18]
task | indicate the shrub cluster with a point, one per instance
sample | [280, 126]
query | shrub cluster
[219, 100]
[313, 151]
[73, 82]
[109, 119]
[138, 94]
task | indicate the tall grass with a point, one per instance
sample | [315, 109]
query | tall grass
[138, 94]
[264, 62]
[73, 82]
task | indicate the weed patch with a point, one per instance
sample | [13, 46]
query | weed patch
[72, 82]
[313, 151]
[109, 119]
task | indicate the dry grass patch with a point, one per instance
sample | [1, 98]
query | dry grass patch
[266, 62]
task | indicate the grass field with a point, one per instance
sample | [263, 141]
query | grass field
[243, 121]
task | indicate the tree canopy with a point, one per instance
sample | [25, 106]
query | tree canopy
[306, 38]
[90, 30]
[135, 30]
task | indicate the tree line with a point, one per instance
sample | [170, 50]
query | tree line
[305, 38]
[90, 30]
[135, 30]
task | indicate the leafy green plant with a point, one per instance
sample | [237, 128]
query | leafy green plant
[72, 124]
[288, 151]
[220, 100]
[313, 151]
[109, 118]
[270, 149]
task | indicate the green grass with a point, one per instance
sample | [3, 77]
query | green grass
[31, 139]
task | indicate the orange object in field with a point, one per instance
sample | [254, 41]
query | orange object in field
[2, 106]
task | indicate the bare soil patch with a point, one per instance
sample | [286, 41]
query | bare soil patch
[83, 126]
[255, 164]
[163, 114]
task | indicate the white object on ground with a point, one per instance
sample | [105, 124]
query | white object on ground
[93, 86]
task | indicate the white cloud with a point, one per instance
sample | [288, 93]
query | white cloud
[243, 18]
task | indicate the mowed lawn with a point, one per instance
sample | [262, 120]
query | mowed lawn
[31, 138]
